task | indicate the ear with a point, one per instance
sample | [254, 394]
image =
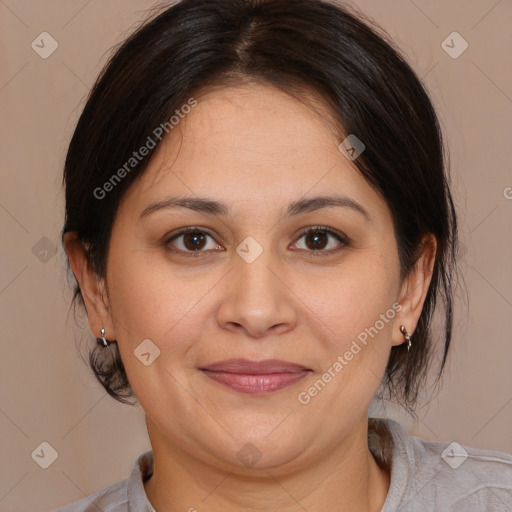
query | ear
[92, 287]
[414, 289]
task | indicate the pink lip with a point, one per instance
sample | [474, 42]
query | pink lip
[256, 383]
[253, 377]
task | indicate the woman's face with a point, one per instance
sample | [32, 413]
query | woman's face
[257, 287]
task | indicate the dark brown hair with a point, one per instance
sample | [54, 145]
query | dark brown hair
[295, 45]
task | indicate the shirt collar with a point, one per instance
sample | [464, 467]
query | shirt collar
[142, 470]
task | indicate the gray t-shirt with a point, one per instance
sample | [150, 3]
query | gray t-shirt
[426, 476]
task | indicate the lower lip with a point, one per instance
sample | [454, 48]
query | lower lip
[253, 384]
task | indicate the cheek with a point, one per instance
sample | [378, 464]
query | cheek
[149, 300]
[356, 298]
[359, 311]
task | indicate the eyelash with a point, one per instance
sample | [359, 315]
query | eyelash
[194, 229]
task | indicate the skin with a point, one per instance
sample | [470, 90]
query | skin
[256, 149]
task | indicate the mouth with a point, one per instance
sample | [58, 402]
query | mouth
[247, 366]
[256, 377]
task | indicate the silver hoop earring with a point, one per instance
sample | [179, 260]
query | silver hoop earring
[103, 341]
[407, 336]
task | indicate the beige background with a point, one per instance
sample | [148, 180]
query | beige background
[47, 393]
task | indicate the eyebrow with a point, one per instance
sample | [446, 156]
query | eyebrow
[212, 207]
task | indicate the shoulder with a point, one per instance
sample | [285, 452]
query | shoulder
[447, 475]
[113, 498]
[124, 496]
[463, 477]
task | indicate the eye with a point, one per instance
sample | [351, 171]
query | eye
[317, 238]
[194, 240]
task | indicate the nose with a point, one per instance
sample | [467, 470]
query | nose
[256, 299]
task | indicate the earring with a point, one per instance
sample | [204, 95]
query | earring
[102, 341]
[407, 336]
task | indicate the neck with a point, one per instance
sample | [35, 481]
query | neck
[344, 478]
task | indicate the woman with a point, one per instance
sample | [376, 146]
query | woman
[260, 223]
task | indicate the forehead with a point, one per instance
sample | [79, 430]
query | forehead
[256, 113]
[243, 143]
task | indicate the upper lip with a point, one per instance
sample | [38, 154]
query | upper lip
[254, 367]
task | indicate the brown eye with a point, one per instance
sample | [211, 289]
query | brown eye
[194, 241]
[317, 239]
[190, 240]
